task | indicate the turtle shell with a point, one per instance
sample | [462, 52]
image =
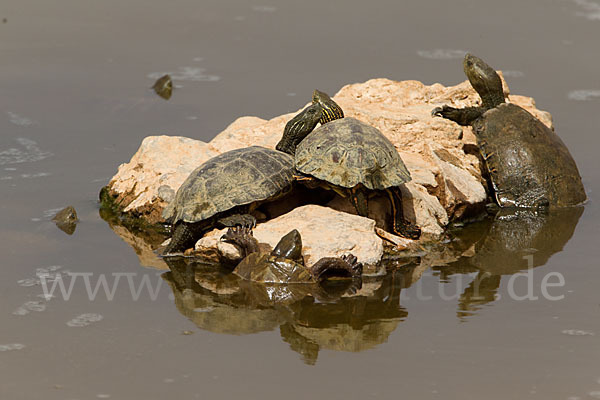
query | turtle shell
[266, 268]
[347, 152]
[235, 178]
[528, 164]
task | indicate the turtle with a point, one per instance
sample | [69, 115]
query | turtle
[66, 220]
[527, 163]
[224, 190]
[352, 158]
[298, 127]
[322, 110]
[285, 263]
[330, 109]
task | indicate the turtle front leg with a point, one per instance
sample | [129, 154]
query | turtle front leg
[462, 116]
[400, 224]
[245, 220]
[241, 237]
[346, 266]
[358, 198]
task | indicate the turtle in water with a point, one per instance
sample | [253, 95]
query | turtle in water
[224, 190]
[527, 163]
[352, 158]
[66, 220]
[285, 263]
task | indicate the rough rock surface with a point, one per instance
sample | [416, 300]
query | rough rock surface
[325, 233]
[441, 156]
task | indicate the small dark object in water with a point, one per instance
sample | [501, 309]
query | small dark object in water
[4, 20]
[285, 263]
[66, 220]
[527, 163]
[164, 87]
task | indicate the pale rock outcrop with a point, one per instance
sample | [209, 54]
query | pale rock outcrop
[441, 155]
[325, 233]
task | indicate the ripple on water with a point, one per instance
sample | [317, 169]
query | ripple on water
[193, 74]
[29, 152]
[442, 54]
[265, 9]
[513, 74]
[84, 320]
[591, 9]
[11, 347]
[594, 394]
[30, 306]
[19, 120]
[577, 332]
[584, 95]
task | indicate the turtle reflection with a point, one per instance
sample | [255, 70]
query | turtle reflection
[511, 242]
[337, 315]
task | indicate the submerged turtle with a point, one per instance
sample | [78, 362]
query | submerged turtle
[223, 190]
[528, 165]
[285, 263]
[352, 158]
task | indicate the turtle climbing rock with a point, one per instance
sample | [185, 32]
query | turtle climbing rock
[285, 263]
[224, 190]
[528, 164]
[353, 158]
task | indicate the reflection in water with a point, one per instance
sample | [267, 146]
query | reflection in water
[510, 243]
[341, 316]
[310, 317]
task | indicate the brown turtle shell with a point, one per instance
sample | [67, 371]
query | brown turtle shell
[528, 164]
[347, 152]
[235, 178]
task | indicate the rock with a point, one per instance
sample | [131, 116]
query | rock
[325, 233]
[441, 156]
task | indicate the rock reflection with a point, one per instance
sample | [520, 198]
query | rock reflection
[505, 245]
[337, 316]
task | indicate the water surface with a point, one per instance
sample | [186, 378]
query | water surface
[76, 103]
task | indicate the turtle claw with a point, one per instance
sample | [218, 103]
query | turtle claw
[437, 112]
[356, 266]
[233, 234]
[408, 230]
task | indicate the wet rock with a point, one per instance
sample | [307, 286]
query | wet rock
[325, 233]
[441, 156]
[66, 220]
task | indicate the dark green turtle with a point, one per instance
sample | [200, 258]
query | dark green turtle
[285, 263]
[323, 109]
[528, 165]
[223, 190]
[66, 220]
[298, 127]
[330, 109]
[352, 158]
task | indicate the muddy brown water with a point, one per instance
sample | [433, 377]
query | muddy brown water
[76, 103]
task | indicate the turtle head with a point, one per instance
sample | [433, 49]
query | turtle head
[290, 246]
[298, 128]
[331, 109]
[485, 81]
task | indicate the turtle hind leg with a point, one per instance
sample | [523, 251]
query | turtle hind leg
[358, 198]
[340, 267]
[184, 236]
[245, 220]
[400, 225]
[241, 236]
[462, 116]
